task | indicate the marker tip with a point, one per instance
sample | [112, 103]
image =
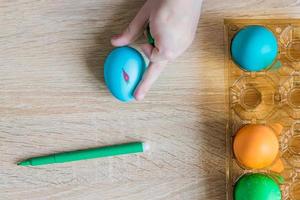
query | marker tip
[24, 163]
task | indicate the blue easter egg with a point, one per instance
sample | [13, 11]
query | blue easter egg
[123, 70]
[254, 48]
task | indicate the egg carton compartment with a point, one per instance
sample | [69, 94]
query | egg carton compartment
[266, 97]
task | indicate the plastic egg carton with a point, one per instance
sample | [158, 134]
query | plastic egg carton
[266, 97]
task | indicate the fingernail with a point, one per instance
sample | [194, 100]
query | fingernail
[115, 36]
[139, 97]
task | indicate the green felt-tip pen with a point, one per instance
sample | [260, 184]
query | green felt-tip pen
[149, 36]
[128, 148]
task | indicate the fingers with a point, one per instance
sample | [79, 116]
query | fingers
[162, 54]
[156, 55]
[153, 53]
[134, 29]
[147, 49]
[152, 73]
[158, 61]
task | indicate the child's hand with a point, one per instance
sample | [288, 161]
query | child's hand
[173, 24]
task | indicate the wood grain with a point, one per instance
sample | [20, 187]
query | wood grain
[52, 99]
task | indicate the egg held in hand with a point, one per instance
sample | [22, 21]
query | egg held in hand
[123, 70]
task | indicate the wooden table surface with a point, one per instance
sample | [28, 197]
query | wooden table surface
[53, 98]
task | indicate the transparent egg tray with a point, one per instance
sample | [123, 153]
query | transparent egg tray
[266, 97]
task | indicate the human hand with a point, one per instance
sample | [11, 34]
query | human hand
[173, 24]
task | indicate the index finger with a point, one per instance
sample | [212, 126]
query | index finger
[150, 76]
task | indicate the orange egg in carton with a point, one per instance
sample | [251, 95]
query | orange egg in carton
[269, 98]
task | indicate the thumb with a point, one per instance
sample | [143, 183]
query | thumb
[133, 30]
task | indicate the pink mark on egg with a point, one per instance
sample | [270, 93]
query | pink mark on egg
[125, 76]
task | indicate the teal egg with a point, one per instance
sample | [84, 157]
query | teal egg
[254, 48]
[123, 70]
[256, 186]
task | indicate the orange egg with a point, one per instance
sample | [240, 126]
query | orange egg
[256, 146]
